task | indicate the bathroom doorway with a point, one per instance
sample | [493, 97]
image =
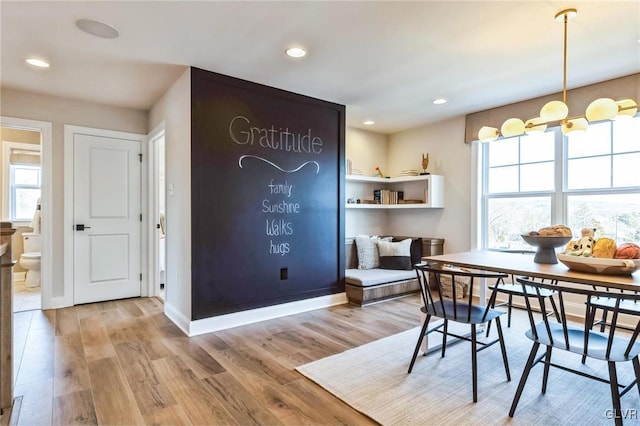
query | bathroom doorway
[24, 191]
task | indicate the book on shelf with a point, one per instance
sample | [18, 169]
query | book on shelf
[387, 196]
[410, 202]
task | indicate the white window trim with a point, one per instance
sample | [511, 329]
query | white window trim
[7, 146]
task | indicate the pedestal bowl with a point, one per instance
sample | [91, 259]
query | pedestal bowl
[545, 252]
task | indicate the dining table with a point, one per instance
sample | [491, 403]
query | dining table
[521, 263]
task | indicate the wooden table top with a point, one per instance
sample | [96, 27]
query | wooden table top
[523, 264]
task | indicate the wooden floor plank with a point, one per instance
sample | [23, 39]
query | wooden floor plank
[70, 369]
[144, 332]
[332, 409]
[200, 405]
[97, 344]
[148, 390]
[243, 406]
[198, 360]
[75, 408]
[114, 400]
[171, 415]
[261, 383]
[130, 307]
[66, 321]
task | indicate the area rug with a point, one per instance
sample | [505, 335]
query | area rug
[373, 379]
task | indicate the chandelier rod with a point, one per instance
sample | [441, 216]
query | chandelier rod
[564, 64]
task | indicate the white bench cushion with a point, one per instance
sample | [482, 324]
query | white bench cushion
[369, 277]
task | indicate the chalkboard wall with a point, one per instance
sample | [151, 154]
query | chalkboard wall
[267, 202]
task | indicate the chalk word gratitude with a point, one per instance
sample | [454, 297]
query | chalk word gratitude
[242, 133]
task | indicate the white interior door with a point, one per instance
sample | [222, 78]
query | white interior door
[107, 224]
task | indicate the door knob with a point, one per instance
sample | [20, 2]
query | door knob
[81, 227]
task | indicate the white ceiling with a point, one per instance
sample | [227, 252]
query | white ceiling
[385, 61]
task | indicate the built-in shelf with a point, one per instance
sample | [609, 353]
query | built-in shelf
[388, 206]
[428, 188]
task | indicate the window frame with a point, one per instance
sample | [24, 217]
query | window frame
[7, 178]
[14, 187]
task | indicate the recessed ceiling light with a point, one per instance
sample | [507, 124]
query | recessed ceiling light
[369, 122]
[98, 29]
[296, 52]
[439, 101]
[38, 62]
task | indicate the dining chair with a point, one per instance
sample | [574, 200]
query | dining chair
[513, 288]
[613, 345]
[457, 307]
[606, 304]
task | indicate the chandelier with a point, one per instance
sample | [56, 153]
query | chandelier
[558, 112]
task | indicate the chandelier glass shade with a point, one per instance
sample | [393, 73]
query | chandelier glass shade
[557, 112]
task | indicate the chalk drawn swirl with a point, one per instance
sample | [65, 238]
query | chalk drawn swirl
[278, 167]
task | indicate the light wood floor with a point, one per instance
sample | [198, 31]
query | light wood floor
[124, 362]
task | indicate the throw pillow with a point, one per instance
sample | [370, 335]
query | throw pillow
[395, 255]
[367, 248]
[416, 248]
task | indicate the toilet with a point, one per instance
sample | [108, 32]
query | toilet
[30, 259]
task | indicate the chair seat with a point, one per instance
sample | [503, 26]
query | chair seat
[597, 342]
[626, 306]
[462, 312]
[516, 289]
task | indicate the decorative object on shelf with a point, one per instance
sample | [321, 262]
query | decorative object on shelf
[379, 173]
[546, 252]
[557, 111]
[425, 164]
[349, 166]
[409, 172]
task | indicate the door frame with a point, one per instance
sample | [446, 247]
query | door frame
[152, 209]
[46, 145]
[68, 231]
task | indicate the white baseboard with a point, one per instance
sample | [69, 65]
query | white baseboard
[177, 317]
[236, 319]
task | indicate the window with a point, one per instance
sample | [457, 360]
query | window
[24, 191]
[588, 180]
[21, 181]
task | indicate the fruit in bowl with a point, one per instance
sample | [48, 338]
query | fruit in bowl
[604, 256]
[627, 251]
[552, 231]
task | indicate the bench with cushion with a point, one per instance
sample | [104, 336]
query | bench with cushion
[365, 286]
